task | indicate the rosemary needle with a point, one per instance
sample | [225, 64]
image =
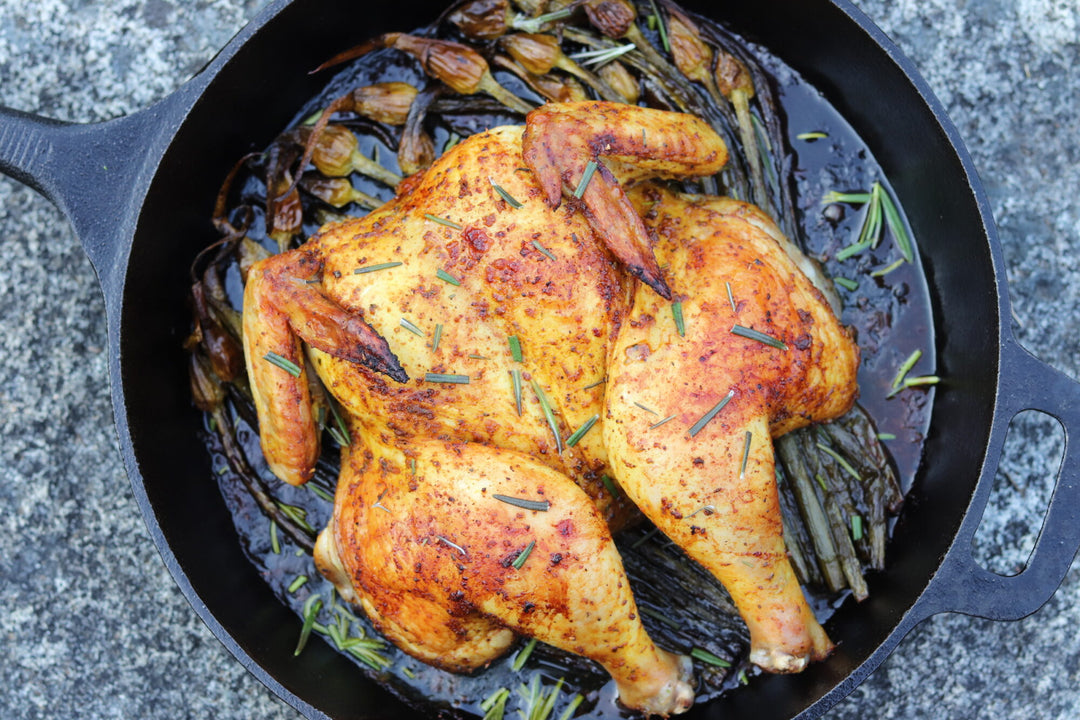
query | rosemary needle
[541, 248]
[751, 334]
[580, 432]
[707, 657]
[447, 277]
[523, 656]
[515, 347]
[524, 555]
[711, 414]
[538, 505]
[443, 221]
[284, 363]
[510, 199]
[680, 323]
[586, 177]
[411, 328]
[447, 378]
[373, 268]
[548, 415]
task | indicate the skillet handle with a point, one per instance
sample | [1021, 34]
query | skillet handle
[962, 585]
[96, 174]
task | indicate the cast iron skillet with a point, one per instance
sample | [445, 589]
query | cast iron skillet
[138, 191]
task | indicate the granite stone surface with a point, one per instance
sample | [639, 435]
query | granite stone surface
[91, 625]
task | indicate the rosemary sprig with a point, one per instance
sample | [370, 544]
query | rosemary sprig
[711, 414]
[515, 380]
[375, 268]
[751, 334]
[447, 277]
[284, 363]
[515, 347]
[443, 221]
[510, 199]
[522, 657]
[436, 337]
[520, 561]
[575, 438]
[680, 323]
[586, 178]
[538, 505]
[447, 378]
[411, 328]
[541, 248]
[548, 415]
[707, 657]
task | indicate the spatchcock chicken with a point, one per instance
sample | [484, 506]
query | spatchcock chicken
[495, 335]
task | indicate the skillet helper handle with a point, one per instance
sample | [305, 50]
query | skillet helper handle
[96, 174]
[962, 585]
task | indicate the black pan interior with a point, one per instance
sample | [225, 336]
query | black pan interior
[249, 102]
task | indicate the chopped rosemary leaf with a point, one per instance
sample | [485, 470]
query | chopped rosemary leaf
[449, 543]
[284, 363]
[815, 135]
[275, 544]
[580, 432]
[731, 297]
[743, 679]
[663, 30]
[905, 368]
[586, 177]
[851, 198]
[680, 324]
[412, 466]
[494, 706]
[447, 277]
[443, 221]
[659, 616]
[856, 528]
[751, 334]
[846, 283]
[298, 583]
[745, 454]
[523, 656]
[609, 484]
[538, 505]
[311, 609]
[515, 347]
[510, 199]
[896, 227]
[647, 409]
[411, 328]
[711, 414]
[707, 657]
[436, 338]
[886, 436]
[883, 271]
[474, 356]
[841, 460]
[655, 425]
[871, 229]
[408, 672]
[572, 706]
[515, 380]
[374, 268]
[447, 378]
[524, 555]
[598, 383]
[851, 251]
[548, 415]
[541, 248]
[921, 380]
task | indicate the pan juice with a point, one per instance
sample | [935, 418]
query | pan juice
[682, 606]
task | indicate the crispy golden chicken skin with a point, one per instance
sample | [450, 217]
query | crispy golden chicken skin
[406, 316]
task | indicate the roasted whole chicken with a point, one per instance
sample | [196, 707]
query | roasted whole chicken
[528, 319]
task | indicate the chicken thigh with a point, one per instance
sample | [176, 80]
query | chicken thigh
[467, 328]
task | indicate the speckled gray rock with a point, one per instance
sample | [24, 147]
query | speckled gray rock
[90, 622]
